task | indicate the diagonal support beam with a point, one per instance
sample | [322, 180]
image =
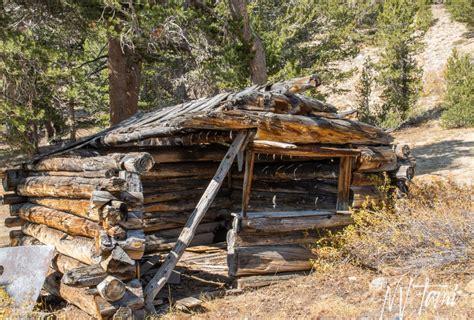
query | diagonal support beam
[186, 236]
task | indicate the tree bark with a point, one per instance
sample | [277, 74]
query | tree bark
[258, 64]
[124, 81]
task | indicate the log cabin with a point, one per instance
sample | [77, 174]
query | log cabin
[265, 169]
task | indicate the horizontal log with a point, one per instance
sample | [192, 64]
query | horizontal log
[134, 244]
[293, 150]
[325, 186]
[174, 184]
[275, 223]
[183, 169]
[12, 222]
[269, 259]
[170, 196]
[90, 301]
[63, 263]
[91, 276]
[77, 247]
[12, 198]
[132, 162]
[367, 179]
[157, 244]
[291, 128]
[59, 220]
[18, 238]
[185, 205]
[83, 174]
[248, 239]
[362, 194]
[402, 151]
[293, 86]
[191, 139]
[405, 170]
[188, 153]
[78, 207]
[74, 187]
[376, 159]
[166, 217]
[266, 280]
[294, 171]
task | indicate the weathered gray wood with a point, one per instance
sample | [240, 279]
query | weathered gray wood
[248, 177]
[286, 224]
[71, 224]
[266, 280]
[11, 198]
[111, 289]
[74, 187]
[80, 248]
[161, 277]
[269, 259]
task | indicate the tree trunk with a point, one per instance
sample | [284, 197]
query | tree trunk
[258, 64]
[124, 81]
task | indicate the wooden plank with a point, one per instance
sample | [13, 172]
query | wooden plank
[290, 149]
[161, 277]
[248, 177]
[344, 184]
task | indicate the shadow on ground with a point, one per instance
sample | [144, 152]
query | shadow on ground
[442, 155]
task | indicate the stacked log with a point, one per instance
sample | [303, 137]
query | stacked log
[91, 210]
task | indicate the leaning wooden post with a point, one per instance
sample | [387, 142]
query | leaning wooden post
[164, 272]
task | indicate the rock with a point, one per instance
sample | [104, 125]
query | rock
[378, 284]
[469, 287]
[352, 278]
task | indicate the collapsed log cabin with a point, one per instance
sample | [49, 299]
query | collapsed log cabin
[267, 166]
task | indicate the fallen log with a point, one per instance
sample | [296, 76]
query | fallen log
[73, 187]
[80, 248]
[59, 220]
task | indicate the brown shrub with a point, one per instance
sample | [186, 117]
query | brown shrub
[431, 228]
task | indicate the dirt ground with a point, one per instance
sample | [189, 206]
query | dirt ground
[440, 152]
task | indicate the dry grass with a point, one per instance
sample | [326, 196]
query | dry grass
[425, 238]
[430, 229]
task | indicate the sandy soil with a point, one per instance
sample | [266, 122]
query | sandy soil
[440, 152]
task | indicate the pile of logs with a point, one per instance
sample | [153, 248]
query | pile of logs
[91, 210]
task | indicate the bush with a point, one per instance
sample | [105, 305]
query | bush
[429, 229]
[459, 96]
[462, 11]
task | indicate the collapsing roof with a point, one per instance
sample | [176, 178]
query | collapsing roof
[277, 111]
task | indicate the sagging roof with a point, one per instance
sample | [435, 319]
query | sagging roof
[278, 112]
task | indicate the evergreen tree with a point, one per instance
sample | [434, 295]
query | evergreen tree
[400, 75]
[364, 91]
[459, 96]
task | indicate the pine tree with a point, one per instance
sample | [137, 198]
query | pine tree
[364, 92]
[400, 75]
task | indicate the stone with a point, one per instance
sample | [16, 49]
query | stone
[470, 287]
[378, 284]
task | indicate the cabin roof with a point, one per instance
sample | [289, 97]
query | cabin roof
[278, 112]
